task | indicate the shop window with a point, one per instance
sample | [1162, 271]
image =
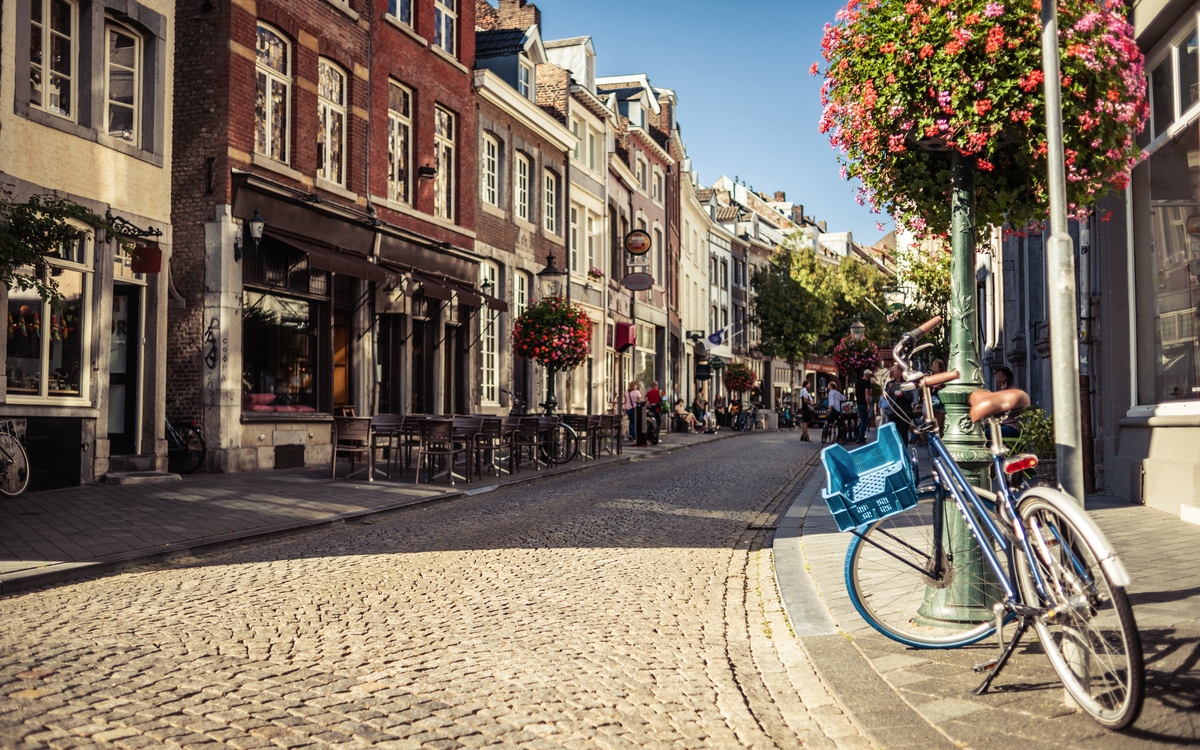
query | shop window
[399, 143]
[53, 52]
[273, 84]
[47, 352]
[443, 162]
[331, 123]
[280, 364]
[123, 76]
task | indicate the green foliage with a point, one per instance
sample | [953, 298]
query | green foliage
[792, 305]
[738, 377]
[925, 268]
[1037, 433]
[31, 231]
[858, 294]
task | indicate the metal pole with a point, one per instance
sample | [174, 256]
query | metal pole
[1060, 277]
[963, 601]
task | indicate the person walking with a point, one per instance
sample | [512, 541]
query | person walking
[719, 410]
[862, 397]
[807, 410]
[836, 401]
[633, 397]
[900, 402]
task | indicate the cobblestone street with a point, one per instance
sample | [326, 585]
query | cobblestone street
[631, 606]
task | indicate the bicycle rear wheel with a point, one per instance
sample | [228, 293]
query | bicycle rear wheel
[563, 445]
[1091, 639]
[886, 577]
[828, 431]
[186, 454]
[14, 466]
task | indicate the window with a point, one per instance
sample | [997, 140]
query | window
[399, 144]
[577, 129]
[660, 261]
[443, 162]
[122, 81]
[525, 80]
[520, 293]
[488, 338]
[53, 34]
[658, 186]
[642, 177]
[591, 151]
[521, 187]
[550, 210]
[1174, 93]
[331, 125]
[574, 239]
[488, 170]
[445, 18]
[280, 360]
[272, 105]
[401, 10]
[591, 243]
[724, 275]
[47, 356]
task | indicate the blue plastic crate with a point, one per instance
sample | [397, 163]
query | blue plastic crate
[869, 483]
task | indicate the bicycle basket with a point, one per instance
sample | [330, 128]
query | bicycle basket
[869, 483]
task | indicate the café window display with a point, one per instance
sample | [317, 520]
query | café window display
[48, 344]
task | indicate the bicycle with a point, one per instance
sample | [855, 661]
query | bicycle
[830, 428]
[746, 419]
[925, 570]
[14, 461]
[185, 446]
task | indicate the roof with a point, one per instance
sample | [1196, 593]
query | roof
[727, 213]
[499, 42]
[705, 195]
[573, 41]
[629, 92]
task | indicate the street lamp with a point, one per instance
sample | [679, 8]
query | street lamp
[256, 224]
[857, 329]
[487, 287]
[551, 280]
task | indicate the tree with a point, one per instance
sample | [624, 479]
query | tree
[791, 306]
[32, 230]
[858, 294]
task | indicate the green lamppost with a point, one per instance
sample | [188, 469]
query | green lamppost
[551, 280]
[964, 600]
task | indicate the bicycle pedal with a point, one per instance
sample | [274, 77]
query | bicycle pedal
[985, 666]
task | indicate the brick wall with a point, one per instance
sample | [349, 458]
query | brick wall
[487, 18]
[517, 14]
[553, 90]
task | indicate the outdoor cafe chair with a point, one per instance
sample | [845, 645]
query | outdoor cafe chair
[389, 434]
[494, 441]
[530, 436]
[582, 424]
[352, 437]
[438, 440]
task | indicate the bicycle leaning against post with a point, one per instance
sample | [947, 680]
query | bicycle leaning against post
[14, 462]
[950, 566]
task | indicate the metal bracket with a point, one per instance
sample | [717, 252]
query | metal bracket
[123, 228]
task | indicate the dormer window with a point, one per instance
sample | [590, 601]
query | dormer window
[525, 80]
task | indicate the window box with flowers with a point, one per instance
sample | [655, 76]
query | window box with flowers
[595, 274]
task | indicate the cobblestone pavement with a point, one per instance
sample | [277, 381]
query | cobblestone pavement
[631, 606]
[1025, 707]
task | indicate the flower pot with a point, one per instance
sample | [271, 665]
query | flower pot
[146, 260]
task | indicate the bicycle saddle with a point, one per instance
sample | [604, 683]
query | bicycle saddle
[986, 404]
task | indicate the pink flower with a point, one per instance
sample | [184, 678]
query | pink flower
[813, 70]
[994, 10]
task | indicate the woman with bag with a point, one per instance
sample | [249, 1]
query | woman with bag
[633, 397]
[807, 412]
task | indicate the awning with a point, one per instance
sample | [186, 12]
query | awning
[434, 288]
[328, 259]
[466, 295]
[624, 337]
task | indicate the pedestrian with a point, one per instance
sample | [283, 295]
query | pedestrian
[719, 410]
[939, 409]
[1011, 426]
[633, 397]
[654, 400]
[862, 397]
[807, 412]
[900, 402]
[836, 401]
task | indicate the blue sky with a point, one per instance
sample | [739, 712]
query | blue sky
[747, 105]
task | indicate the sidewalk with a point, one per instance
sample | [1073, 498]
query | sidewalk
[908, 697]
[57, 535]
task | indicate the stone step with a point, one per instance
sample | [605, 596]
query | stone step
[140, 477]
[121, 464]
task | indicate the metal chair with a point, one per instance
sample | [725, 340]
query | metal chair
[389, 434]
[351, 437]
[494, 441]
[437, 439]
[530, 435]
[582, 424]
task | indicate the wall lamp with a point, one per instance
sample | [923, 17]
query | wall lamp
[256, 224]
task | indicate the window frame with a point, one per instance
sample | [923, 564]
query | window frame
[45, 41]
[525, 80]
[590, 234]
[112, 25]
[592, 150]
[446, 12]
[326, 109]
[522, 283]
[573, 240]
[398, 5]
[489, 170]
[87, 271]
[489, 342]
[397, 119]
[287, 82]
[523, 209]
[444, 148]
[550, 203]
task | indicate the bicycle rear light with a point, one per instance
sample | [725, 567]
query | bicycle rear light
[1020, 462]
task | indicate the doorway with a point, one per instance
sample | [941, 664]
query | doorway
[124, 391]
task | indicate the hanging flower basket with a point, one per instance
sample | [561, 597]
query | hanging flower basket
[738, 378]
[909, 82]
[852, 356]
[554, 333]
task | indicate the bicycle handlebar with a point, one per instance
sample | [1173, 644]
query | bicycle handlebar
[919, 332]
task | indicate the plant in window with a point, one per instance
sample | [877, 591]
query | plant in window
[555, 333]
[595, 274]
[909, 81]
[738, 378]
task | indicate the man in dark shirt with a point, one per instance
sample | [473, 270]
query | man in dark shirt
[862, 397]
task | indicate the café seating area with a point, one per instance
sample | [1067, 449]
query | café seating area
[461, 447]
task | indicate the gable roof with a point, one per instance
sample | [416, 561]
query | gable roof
[556, 43]
[704, 195]
[499, 42]
[727, 213]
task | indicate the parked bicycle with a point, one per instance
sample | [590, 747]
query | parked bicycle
[953, 565]
[746, 418]
[14, 461]
[185, 446]
[562, 445]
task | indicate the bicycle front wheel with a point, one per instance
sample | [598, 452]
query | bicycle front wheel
[827, 431]
[14, 466]
[1090, 634]
[889, 576]
[564, 444]
[186, 454]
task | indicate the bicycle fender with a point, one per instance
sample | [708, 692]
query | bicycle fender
[1066, 505]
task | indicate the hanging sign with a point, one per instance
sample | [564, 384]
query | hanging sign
[637, 282]
[637, 242]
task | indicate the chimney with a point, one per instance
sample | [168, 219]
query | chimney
[821, 226]
[780, 196]
[516, 14]
[486, 17]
